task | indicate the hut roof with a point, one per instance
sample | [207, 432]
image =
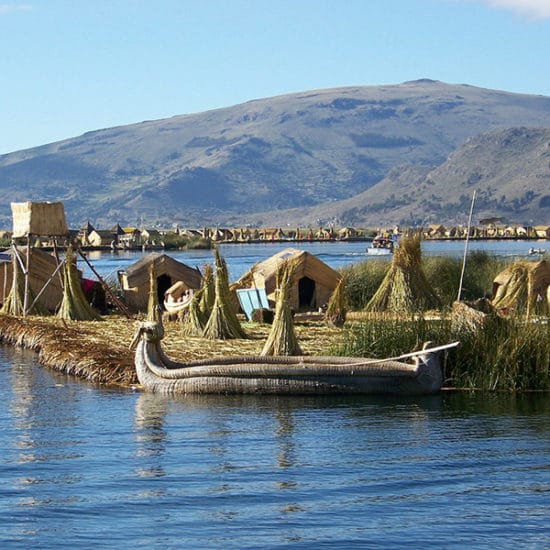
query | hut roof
[307, 265]
[521, 284]
[138, 273]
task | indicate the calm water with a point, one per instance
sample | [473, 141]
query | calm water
[83, 466]
[240, 257]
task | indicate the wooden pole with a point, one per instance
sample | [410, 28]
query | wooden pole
[466, 246]
[105, 286]
[44, 287]
[56, 254]
[27, 275]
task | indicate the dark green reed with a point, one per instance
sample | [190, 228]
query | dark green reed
[501, 354]
[442, 273]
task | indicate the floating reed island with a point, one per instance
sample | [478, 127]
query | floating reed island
[99, 352]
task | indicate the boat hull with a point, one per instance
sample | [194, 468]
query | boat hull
[281, 375]
[379, 251]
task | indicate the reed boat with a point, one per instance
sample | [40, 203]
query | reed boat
[291, 375]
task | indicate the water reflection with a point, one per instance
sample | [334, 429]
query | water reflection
[150, 435]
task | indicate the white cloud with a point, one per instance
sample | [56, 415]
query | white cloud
[539, 9]
[5, 9]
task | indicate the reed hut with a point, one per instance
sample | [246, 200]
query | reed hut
[41, 274]
[313, 281]
[134, 281]
[523, 288]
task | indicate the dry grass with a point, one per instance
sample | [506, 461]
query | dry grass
[99, 352]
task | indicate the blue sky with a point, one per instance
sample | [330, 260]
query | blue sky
[71, 66]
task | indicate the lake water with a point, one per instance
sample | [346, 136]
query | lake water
[88, 467]
[240, 257]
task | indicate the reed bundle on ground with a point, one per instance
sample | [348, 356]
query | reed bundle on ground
[337, 306]
[74, 305]
[192, 318]
[282, 336]
[405, 288]
[223, 323]
[208, 295]
[15, 302]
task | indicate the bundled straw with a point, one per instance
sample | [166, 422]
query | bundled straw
[222, 323]
[208, 295]
[405, 288]
[15, 301]
[282, 337]
[192, 317]
[74, 305]
[335, 314]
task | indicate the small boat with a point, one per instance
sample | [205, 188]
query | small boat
[536, 251]
[381, 246]
[291, 375]
[177, 298]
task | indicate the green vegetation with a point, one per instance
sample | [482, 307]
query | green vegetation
[443, 275]
[173, 241]
[502, 354]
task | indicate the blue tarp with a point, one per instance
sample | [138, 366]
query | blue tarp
[251, 299]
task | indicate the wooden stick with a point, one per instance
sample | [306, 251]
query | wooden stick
[407, 355]
[44, 287]
[466, 246]
[105, 286]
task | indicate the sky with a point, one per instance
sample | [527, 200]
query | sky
[73, 66]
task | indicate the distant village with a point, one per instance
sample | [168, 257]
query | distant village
[134, 238]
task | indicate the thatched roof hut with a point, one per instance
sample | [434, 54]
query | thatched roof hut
[313, 281]
[522, 287]
[134, 281]
[42, 267]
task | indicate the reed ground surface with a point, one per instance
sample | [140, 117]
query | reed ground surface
[100, 351]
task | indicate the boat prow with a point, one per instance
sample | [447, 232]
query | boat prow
[292, 375]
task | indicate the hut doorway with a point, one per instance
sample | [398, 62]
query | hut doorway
[164, 282]
[306, 293]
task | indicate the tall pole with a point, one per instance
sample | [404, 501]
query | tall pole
[466, 246]
[27, 275]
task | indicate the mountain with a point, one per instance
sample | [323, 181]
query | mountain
[273, 160]
[509, 170]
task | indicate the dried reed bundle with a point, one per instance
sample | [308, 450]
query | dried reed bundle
[282, 337]
[192, 318]
[153, 307]
[337, 306]
[74, 305]
[208, 295]
[405, 288]
[15, 301]
[222, 323]
[13, 304]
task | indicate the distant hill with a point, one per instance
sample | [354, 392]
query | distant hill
[369, 154]
[509, 169]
